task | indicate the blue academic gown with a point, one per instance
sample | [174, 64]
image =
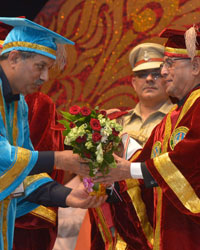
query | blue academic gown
[17, 158]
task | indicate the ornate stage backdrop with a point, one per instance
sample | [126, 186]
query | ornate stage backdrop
[98, 71]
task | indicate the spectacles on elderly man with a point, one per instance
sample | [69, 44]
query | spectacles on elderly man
[144, 73]
[169, 62]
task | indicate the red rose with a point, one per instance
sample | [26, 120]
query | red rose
[103, 112]
[74, 110]
[81, 139]
[95, 124]
[96, 137]
[72, 125]
[114, 132]
[85, 111]
[87, 155]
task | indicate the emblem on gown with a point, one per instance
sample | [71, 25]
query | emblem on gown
[156, 150]
[177, 136]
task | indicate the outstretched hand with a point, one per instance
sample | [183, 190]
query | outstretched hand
[122, 172]
[68, 161]
[79, 197]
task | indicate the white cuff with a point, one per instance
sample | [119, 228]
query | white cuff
[136, 171]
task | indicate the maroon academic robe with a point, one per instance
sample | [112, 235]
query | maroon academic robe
[172, 156]
[133, 217]
[38, 229]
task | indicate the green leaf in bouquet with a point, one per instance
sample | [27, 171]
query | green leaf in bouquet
[93, 157]
[76, 150]
[108, 157]
[104, 165]
[106, 170]
[91, 172]
[65, 123]
[83, 154]
[96, 186]
[93, 114]
[88, 118]
[68, 116]
[113, 138]
[65, 132]
[113, 164]
[93, 149]
[80, 121]
[117, 139]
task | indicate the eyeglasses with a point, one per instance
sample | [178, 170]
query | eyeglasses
[143, 74]
[168, 63]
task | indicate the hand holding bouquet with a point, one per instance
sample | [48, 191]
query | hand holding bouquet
[94, 137]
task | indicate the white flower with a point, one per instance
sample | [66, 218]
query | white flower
[107, 130]
[72, 135]
[99, 153]
[115, 125]
[81, 130]
[102, 120]
[112, 123]
[100, 117]
[95, 171]
[118, 127]
[67, 141]
[75, 133]
[89, 136]
[104, 138]
[88, 145]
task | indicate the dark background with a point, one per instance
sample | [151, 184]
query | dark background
[28, 8]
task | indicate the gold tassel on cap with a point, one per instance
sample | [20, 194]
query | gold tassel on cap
[61, 56]
[191, 42]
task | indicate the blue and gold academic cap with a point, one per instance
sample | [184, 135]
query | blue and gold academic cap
[4, 30]
[31, 37]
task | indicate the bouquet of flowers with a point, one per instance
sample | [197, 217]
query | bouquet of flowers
[94, 137]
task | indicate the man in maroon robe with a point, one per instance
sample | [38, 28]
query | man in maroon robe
[169, 161]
